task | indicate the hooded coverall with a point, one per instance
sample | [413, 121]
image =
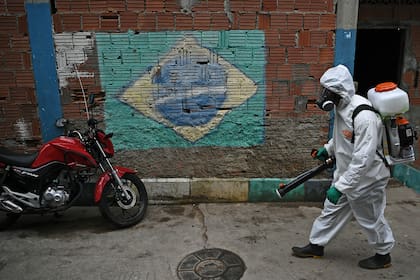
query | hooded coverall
[360, 173]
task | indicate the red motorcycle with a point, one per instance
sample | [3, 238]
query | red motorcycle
[52, 179]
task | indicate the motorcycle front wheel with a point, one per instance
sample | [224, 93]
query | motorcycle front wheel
[124, 213]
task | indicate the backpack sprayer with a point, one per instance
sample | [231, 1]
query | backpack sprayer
[392, 102]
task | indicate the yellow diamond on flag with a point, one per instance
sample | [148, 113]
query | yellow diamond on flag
[190, 90]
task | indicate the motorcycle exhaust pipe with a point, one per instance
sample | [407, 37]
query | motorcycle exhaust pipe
[285, 188]
[10, 206]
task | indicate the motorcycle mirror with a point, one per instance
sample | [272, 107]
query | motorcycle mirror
[61, 122]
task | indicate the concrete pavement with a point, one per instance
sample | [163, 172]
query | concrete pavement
[81, 245]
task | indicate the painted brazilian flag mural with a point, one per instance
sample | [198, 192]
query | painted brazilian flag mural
[183, 89]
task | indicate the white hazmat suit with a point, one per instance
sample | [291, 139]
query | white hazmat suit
[360, 173]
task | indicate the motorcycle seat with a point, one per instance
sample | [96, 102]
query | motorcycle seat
[9, 157]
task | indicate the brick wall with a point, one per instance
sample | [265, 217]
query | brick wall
[298, 47]
[19, 124]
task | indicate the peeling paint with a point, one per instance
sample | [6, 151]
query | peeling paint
[72, 49]
[23, 129]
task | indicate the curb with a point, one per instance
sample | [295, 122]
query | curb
[407, 175]
[186, 190]
[194, 190]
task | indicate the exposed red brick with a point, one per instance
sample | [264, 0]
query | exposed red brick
[303, 5]
[316, 70]
[57, 23]
[287, 38]
[109, 22]
[277, 55]
[147, 22]
[71, 22]
[90, 22]
[263, 21]
[330, 6]
[294, 21]
[21, 95]
[15, 6]
[25, 79]
[295, 55]
[214, 5]
[27, 61]
[269, 5]
[272, 38]
[172, 6]
[11, 60]
[219, 21]
[318, 38]
[278, 20]
[165, 21]
[330, 38]
[296, 88]
[319, 5]
[183, 22]
[268, 88]
[20, 42]
[327, 22]
[251, 5]
[78, 6]
[128, 20]
[300, 72]
[287, 104]
[4, 42]
[326, 55]
[415, 101]
[309, 87]
[63, 5]
[154, 6]
[286, 5]
[8, 24]
[246, 20]
[202, 20]
[7, 78]
[28, 111]
[273, 102]
[115, 5]
[236, 5]
[98, 6]
[304, 38]
[281, 88]
[2, 7]
[311, 21]
[409, 77]
[285, 72]
[271, 71]
[135, 5]
[22, 24]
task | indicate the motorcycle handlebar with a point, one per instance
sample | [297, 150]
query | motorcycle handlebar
[92, 123]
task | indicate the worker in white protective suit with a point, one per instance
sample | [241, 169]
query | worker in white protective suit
[360, 177]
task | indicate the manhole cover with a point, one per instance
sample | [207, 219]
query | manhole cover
[211, 264]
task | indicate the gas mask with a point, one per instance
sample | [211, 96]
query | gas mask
[327, 99]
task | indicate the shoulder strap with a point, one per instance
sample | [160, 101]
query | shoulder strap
[356, 111]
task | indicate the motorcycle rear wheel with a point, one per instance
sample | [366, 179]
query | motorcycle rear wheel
[7, 219]
[122, 214]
